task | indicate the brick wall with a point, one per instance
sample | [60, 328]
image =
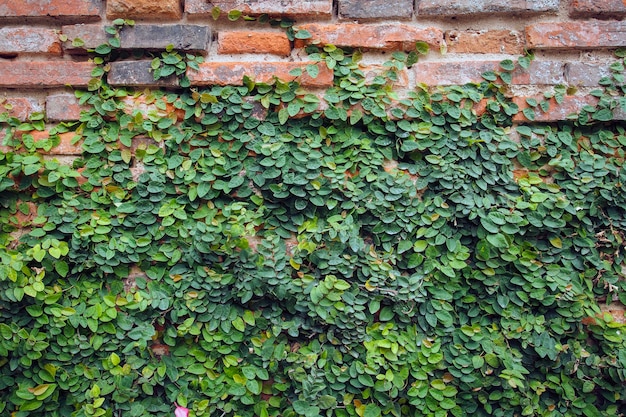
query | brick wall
[40, 66]
[572, 41]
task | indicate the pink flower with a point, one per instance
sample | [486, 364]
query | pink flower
[181, 411]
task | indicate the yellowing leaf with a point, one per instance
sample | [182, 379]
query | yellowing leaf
[39, 389]
[556, 242]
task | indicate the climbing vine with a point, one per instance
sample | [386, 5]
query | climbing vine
[259, 250]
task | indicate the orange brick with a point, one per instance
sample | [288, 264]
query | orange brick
[232, 73]
[248, 42]
[44, 74]
[65, 146]
[20, 107]
[485, 42]
[75, 9]
[576, 35]
[600, 8]
[389, 37]
[144, 9]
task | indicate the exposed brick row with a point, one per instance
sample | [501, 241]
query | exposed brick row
[173, 10]
[377, 36]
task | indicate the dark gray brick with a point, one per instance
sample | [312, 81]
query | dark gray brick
[192, 38]
[375, 9]
[137, 74]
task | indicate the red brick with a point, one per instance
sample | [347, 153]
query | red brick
[20, 40]
[372, 36]
[556, 112]
[462, 72]
[63, 107]
[249, 42]
[144, 9]
[485, 42]
[44, 74]
[290, 8]
[576, 35]
[24, 219]
[67, 9]
[232, 73]
[598, 8]
[470, 7]
[20, 107]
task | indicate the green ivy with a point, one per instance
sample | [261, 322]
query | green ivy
[244, 251]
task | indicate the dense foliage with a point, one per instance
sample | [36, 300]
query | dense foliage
[246, 251]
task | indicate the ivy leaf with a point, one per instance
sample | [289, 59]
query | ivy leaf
[372, 410]
[498, 240]
[313, 70]
[422, 47]
[303, 34]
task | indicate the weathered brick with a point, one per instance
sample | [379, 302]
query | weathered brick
[87, 36]
[556, 112]
[472, 7]
[372, 71]
[462, 72]
[20, 40]
[20, 107]
[485, 42]
[83, 10]
[137, 74]
[576, 35]
[372, 36]
[44, 74]
[249, 42]
[375, 9]
[585, 74]
[289, 8]
[232, 73]
[598, 8]
[144, 9]
[190, 38]
[63, 107]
